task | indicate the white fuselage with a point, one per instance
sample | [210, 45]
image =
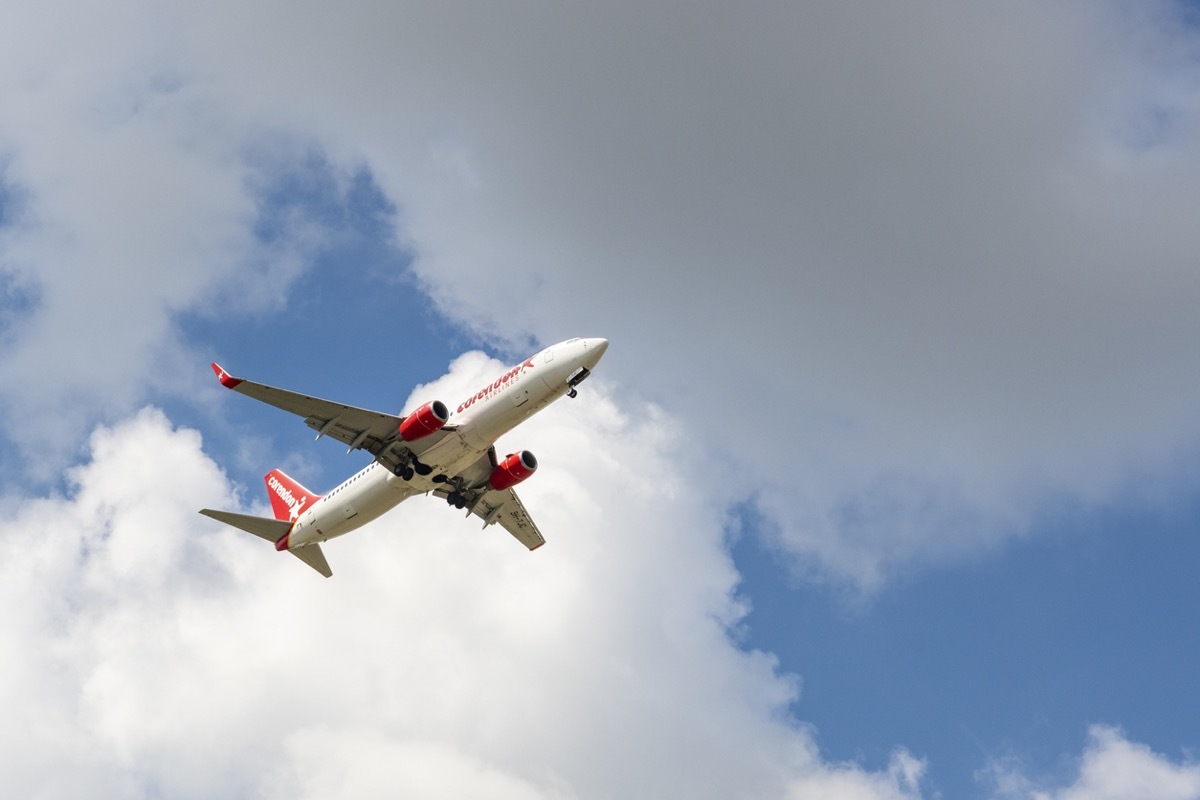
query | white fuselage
[477, 422]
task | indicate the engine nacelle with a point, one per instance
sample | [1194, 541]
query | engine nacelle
[512, 470]
[429, 418]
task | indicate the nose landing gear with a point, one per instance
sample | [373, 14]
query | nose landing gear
[577, 377]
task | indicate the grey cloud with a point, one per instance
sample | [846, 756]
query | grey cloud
[933, 263]
[906, 265]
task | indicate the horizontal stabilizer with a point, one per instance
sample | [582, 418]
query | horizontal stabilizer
[311, 554]
[269, 529]
[272, 530]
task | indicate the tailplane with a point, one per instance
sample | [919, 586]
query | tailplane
[274, 531]
[270, 529]
[311, 554]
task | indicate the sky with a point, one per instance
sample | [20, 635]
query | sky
[885, 488]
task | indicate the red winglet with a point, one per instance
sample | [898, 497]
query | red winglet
[227, 380]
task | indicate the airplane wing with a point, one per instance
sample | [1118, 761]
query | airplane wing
[494, 507]
[372, 431]
[506, 509]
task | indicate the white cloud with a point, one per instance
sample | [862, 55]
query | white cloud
[943, 255]
[903, 273]
[1111, 768]
[134, 195]
[150, 652]
[902, 255]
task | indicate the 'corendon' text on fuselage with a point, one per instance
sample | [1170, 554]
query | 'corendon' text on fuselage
[503, 380]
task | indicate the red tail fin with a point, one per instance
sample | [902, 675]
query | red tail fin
[288, 498]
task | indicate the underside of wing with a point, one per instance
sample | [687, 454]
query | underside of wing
[357, 428]
[505, 508]
[501, 508]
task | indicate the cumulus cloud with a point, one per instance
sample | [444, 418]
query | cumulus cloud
[951, 281]
[930, 270]
[1111, 768]
[129, 194]
[150, 652]
[896, 274]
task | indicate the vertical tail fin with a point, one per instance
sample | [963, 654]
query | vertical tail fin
[288, 497]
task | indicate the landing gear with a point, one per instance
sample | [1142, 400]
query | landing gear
[456, 499]
[407, 469]
[574, 379]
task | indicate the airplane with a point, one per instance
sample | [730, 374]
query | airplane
[432, 450]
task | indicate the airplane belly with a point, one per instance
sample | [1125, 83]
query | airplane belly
[488, 423]
[463, 446]
[339, 523]
[349, 513]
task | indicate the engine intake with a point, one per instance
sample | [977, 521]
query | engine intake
[512, 470]
[429, 418]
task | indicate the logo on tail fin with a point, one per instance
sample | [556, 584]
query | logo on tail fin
[288, 498]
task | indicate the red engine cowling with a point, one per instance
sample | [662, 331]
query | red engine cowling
[512, 470]
[427, 419]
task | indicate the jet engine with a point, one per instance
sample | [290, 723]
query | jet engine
[512, 470]
[427, 419]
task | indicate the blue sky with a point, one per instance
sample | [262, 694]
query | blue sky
[1012, 656]
[884, 489]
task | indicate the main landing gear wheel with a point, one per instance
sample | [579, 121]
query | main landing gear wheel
[407, 473]
[422, 469]
[457, 500]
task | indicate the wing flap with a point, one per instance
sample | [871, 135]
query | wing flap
[506, 510]
[355, 427]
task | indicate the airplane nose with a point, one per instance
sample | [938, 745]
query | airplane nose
[595, 349]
